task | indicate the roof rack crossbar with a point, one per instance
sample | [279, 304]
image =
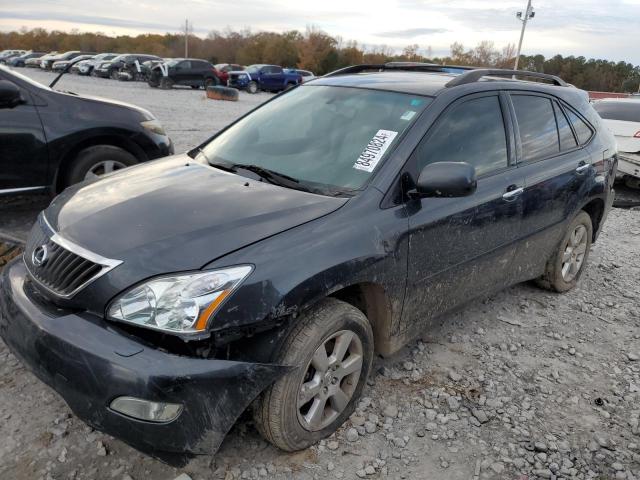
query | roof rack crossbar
[405, 66]
[474, 75]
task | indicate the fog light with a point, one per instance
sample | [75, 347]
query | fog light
[146, 410]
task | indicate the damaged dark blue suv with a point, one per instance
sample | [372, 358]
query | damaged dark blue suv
[267, 267]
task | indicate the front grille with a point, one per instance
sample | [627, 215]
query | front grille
[60, 270]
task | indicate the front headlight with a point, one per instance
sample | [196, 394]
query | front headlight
[178, 303]
[154, 126]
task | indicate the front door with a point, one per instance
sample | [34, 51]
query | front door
[461, 248]
[23, 147]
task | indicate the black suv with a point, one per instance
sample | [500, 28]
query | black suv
[271, 263]
[191, 72]
[51, 139]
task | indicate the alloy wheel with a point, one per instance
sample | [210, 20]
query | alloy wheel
[574, 253]
[104, 167]
[330, 380]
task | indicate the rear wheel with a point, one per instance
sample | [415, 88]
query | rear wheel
[114, 74]
[166, 83]
[96, 161]
[565, 268]
[195, 87]
[252, 87]
[332, 346]
[211, 82]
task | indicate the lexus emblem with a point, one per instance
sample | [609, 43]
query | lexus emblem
[40, 255]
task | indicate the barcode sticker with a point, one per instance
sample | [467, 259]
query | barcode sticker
[374, 150]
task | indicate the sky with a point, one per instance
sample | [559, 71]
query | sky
[593, 28]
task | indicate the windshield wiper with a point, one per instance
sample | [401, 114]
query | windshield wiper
[268, 175]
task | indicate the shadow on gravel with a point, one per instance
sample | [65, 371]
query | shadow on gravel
[626, 197]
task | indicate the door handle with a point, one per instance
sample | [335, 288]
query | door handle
[512, 194]
[583, 167]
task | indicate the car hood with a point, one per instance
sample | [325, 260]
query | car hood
[82, 97]
[177, 214]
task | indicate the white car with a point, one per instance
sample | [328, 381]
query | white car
[622, 116]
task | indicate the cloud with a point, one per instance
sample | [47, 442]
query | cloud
[411, 32]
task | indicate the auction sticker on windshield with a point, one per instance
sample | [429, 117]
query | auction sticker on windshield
[374, 150]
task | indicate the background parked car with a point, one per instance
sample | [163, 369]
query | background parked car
[7, 54]
[223, 70]
[145, 67]
[622, 116]
[51, 139]
[305, 74]
[112, 68]
[20, 60]
[192, 72]
[35, 62]
[271, 78]
[85, 67]
[60, 65]
[47, 63]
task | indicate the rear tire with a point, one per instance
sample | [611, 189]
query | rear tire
[567, 264]
[114, 74]
[92, 161]
[334, 334]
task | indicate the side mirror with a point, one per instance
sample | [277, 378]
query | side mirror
[446, 179]
[10, 95]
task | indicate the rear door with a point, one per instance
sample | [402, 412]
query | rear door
[558, 171]
[461, 248]
[23, 146]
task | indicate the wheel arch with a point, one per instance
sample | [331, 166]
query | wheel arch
[595, 208]
[372, 300]
[110, 139]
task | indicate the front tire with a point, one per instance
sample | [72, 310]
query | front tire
[96, 161]
[252, 87]
[566, 266]
[332, 346]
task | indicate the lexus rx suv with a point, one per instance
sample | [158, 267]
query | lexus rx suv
[266, 267]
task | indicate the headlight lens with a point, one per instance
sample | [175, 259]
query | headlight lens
[180, 303]
[154, 126]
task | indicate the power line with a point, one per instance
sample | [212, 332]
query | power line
[529, 13]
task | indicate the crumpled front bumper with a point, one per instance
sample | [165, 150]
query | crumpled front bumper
[89, 363]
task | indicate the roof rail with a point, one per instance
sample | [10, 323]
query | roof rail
[476, 74]
[406, 66]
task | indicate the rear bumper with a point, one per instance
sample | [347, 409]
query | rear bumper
[629, 164]
[89, 363]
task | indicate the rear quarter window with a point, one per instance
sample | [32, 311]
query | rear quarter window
[583, 131]
[537, 126]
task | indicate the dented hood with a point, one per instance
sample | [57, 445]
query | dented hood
[176, 214]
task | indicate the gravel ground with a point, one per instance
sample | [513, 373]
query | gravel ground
[525, 384]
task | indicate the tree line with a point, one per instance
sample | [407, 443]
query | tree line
[321, 53]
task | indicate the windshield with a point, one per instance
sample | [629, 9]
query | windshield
[330, 136]
[254, 68]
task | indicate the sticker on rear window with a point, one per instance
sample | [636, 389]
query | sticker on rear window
[374, 151]
[408, 115]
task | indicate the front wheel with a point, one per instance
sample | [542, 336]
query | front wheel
[252, 87]
[565, 267]
[332, 346]
[96, 161]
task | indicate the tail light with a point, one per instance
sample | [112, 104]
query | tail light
[637, 135]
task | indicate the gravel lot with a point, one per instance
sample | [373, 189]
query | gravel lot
[526, 384]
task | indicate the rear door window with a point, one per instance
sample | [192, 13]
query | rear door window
[537, 127]
[472, 132]
[567, 139]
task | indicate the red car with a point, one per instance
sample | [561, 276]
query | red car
[223, 70]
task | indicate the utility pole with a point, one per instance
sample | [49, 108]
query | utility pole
[524, 19]
[187, 31]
